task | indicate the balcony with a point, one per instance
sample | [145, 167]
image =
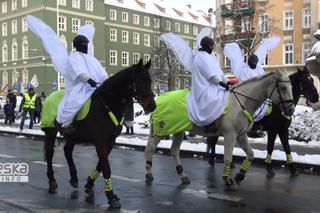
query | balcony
[245, 39]
[238, 8]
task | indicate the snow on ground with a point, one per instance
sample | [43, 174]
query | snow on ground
[141, 126]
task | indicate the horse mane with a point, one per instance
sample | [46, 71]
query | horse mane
[254, 79]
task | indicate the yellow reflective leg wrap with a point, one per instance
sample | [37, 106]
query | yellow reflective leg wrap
[268, 159]
[289, 159]
[107, 185]
[226, 170]
[245, 165]
[94, 174]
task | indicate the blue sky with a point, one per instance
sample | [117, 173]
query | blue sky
[203, 5]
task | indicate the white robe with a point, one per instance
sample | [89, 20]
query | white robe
[77, 91]
[206, 101]
[242, 70]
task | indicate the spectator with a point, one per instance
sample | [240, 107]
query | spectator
[8, 112]
[38, 109]
[13, 100]
[129, 117]
[28, 105]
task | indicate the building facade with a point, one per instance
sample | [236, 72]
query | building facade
[126, 30]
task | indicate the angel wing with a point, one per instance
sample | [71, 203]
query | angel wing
[266, 44]
[203, 33]
[234, 54]
[88, 31]
[51, 43]
[180, 48]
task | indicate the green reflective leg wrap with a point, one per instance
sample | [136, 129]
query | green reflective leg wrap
[107, 185]
[226, 170]
[245, 166]
[94, 174]
[268, 159]
[289, 159]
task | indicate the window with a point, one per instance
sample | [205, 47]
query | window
[156, 22]
[25, 49]
[266, 60]
[306, 22]
[264, 24]
[288, 53]
[113, 34]
[177, 27]
[288, 20]
[76, 4]
[125, 37]
[4, 52]
[125, 17]
[24, 3]
[136, 57]
[62, 81]
[113, 57]
[245, 24]
[187, 83]
[62, 2]
[195, 30]
[4, 29]
[75, 25]
[25, 76]
[125, 59]
[306, 47]
[14, 5]
[113, 15]
[228, 23]
[186, 28]
[63, 39]
[4, 7]
[177, 83]
[24, 24]
[14, 48]
[136, 38]
[89, 22]
[156, 62]
[146, 40]
[168, 25]
[156, 41]
[4, 78]
[14, 27]
[146, 58]
[226, 62]
[146, 21]
[89, 5]
[136, 19]
[62, 23]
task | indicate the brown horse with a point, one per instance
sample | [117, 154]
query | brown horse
[102, 125]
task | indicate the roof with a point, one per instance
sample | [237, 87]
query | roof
[163, 8]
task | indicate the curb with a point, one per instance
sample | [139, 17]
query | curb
[303, 167]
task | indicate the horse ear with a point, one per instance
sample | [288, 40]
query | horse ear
[148, 65]
[140, 63]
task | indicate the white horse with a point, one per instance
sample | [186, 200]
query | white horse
[246, 96]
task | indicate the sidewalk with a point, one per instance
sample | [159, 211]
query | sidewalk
[194, 147]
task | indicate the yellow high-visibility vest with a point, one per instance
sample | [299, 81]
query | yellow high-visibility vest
[29, 102]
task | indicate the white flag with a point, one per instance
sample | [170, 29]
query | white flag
[34, 81]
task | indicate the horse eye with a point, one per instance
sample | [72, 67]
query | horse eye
[284, 88]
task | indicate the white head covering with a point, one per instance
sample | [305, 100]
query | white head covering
[317, 33]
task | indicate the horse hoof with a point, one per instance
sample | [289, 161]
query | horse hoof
[74, 183]
[149, 178]
[53, 187]
[293, 170]
[270, 174]
[229, 183]
[89, 191]
[114, 203]
[185, 180]
[239, 178]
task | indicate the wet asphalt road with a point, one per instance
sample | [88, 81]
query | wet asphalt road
[205, 193]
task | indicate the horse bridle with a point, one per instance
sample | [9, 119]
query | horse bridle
[282, 101]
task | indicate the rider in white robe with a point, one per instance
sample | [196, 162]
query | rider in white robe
[254, 67]
[315, 50]
[208, 96]
[85, 74]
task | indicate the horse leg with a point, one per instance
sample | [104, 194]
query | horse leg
[283, 134]
[102, 151]
[153, 142]
[246, 147]
[229, 141]
[211, 148]
[272, 134]
[49, 139]
[68, 150]
[94, 174]
[175, 152]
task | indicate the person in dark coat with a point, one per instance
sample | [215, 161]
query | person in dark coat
[129, 118]
[8, 112]
[13, 100]
[37, 111]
